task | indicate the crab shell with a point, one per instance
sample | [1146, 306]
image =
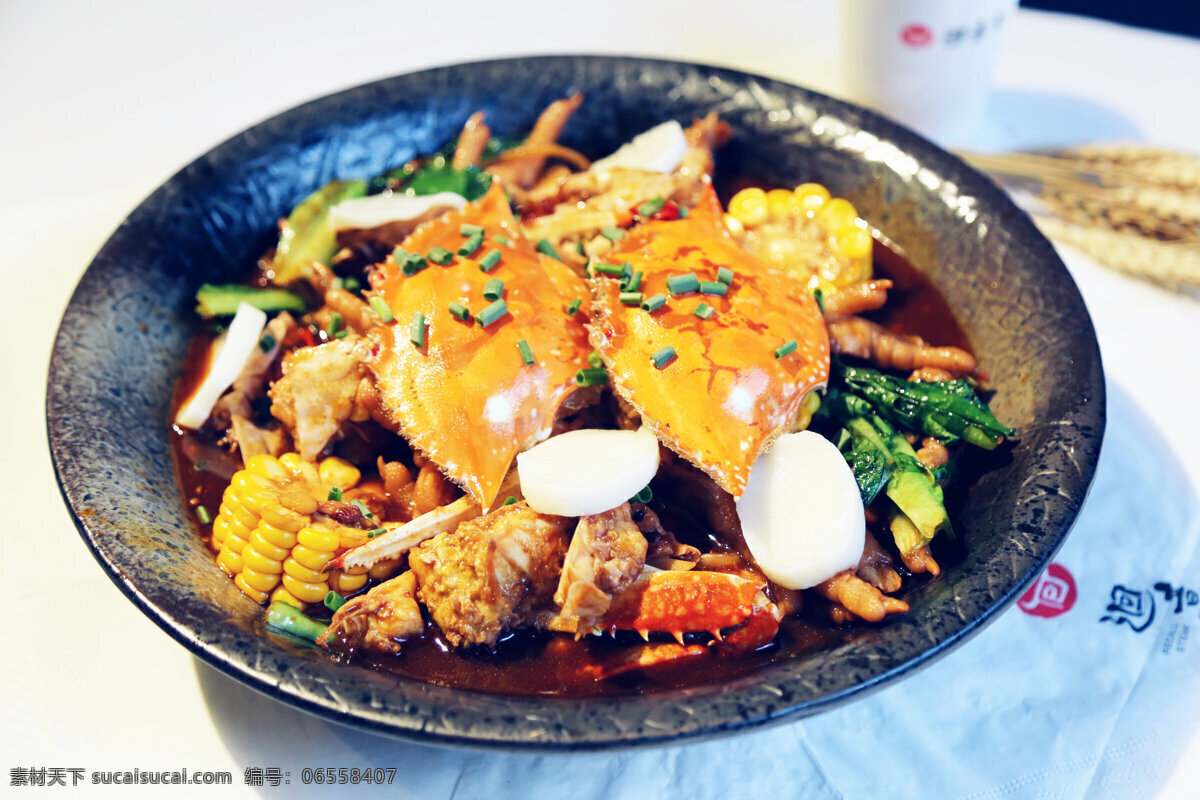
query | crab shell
[466, 398]
[725, 396]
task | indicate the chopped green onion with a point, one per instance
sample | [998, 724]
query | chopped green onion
[595, 376]
[351, 284]
[203, 515]
[493, 289]
[289, 619]
[683, 212]
[381, 308]
[376, 532]
[785, 348]
[335, 322]
[470, 230]
[725, 275]
[713, 287]
[361, 506]
[573, 306]
[504, 240]
[416, 333]
[663, 357]
[266, 343]
[704, 311]
[683, 284]
[526, 352]
[338, 283]
[612, 233]
[490, 259]
[632, 283]
[579, 248]
[223, 301]
[334, 601]
[510, 500]
[342, 334]
[470, 245]
[440, 255]
[644, 496]
[335, 494]
[615, 270]
[595, 360]
[413, 263]
[492, 313]
[654, 303]
[652, 206]
[819, 296]
[631, 298]
[545, 248]
[459, 311]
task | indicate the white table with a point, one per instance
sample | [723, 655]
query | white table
[99, 105]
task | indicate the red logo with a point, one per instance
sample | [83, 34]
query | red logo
[916, 35]
[1053, 593]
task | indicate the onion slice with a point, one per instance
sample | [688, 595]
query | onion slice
[229, 354]
[364, 213]
[802, 514]
[587, 471]
[660, 149]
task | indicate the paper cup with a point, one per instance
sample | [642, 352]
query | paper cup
[925, 63]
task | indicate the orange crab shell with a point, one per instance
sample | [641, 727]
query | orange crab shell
[466, 398]
[725, 396]
[683, 602]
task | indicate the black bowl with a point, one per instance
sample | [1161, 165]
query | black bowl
[118, 353]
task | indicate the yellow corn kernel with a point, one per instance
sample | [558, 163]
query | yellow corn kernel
[345, 584]
[298, 467]
[277, 537]
[302, 573]
[233, 506]
[853, 242]
[230, 559]
[282, 595]
[782, 205]
[808, 407]
[308, 592]
[251, 491]
[220, 526]
[338, 472]
[261, 581]
[325, 540]
[385, 569]
[283, 517]
[837, 214]
[267, 467]
[248, 588]
[307, 557]
[811, 196]
[749, 207]
[735, 227]
[253, 558]
[261, 543]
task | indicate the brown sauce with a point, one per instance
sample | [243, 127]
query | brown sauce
[530, 662]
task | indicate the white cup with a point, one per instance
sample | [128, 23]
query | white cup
[926, 63]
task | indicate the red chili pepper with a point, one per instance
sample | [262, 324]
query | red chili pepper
[668, 212]
[306, 336]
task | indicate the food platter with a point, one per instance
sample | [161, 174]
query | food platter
[117, 353]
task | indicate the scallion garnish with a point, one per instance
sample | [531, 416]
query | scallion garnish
[579, 248]
[785, 348]
[652, 206]
[612, 233]
[683, 212]
[459, 311]
[469, 230]
[573, 306]
[595, 376]
[663, 357]
[713, 287]
[471, 244]
[725, 275]
[266, 343]
[342, 334]
[335, 494]
[510, 500]
[504, 240]
[373, 533]
[335, 323]
[654, 303]
[819, 296]
[440, 255]
[489, 260]
[492, 313]
[704, 311]
[381, 308]
[203, 515]
[526, 352]
[351, 284]
[333, 600]
[493, 289]
[416, 332]
[631, 298]
[595, 360]
[545, 248]
[683, 284]
[614, 270]
[644, 496]
[414, 263]
[361, 506]
[632, 283]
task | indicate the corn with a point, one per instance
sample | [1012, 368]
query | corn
[735, 227]
[749, 207]
[264, 534]
[346, 582]
[854, 243]
[837, 214]
[808, 407]
[811, 196]
[782, 205]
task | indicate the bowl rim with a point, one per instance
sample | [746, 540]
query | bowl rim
[490, 734]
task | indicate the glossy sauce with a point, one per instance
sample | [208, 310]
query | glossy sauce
[532, 662]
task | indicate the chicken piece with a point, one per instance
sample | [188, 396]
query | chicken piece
[859, 597]
[378, 621]
[317, 392]
[491, 574]
[856, 298]
[522, 170]
[468, 152]
[606, 555]
[855, 336]
[255, 441]
[875, 567]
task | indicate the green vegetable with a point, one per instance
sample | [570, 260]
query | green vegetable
[526, 351]
[492, 313]
[545, 248]
[459, 311]
[305, 235]
[633, 282]
[440, 255]
[223, 300]
[594, 376]
[684, 284]
[333, 600]
[416, 330]
[725, 275]
[704, 311]
[490, 259]
[713, 287]
[335, 494]
[493, 289]
[652, 206]
[654, 303]
[785, 349]
[438, 176]
[289, 619]
[663, 357]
